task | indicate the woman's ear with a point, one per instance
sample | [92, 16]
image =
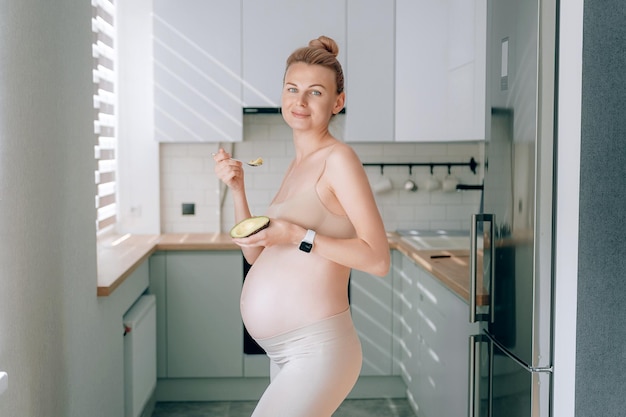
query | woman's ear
[339, 103]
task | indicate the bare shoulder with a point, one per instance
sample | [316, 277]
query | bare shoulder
[344, 171]
[342, 156]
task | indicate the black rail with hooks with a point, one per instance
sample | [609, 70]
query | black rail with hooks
[472, 164]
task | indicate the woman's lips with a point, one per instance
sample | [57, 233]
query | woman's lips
[299, 115]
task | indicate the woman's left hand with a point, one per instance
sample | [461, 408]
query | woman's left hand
[279, 232]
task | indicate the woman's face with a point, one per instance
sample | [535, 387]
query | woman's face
[309, 97]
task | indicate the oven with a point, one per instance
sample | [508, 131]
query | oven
[250, 346]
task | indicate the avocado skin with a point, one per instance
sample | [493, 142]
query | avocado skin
[242, 229]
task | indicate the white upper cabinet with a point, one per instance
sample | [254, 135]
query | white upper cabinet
[370, 71]
[197, 71]
[415, 69]
[440, 70]
[272, 29]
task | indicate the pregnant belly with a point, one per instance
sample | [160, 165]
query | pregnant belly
[292, 291]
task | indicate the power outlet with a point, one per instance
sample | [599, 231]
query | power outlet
[4, 382]
[189, 209]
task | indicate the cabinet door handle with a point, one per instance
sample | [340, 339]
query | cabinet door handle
[481, 218]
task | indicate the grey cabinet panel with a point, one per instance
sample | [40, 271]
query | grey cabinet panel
[158, 288]
[204, 328]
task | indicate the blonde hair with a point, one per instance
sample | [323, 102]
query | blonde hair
[321, 51]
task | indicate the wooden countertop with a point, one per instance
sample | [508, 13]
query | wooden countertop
[119, 256]
[452, 270]
[196, 241]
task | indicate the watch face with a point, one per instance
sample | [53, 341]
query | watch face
[306, 246]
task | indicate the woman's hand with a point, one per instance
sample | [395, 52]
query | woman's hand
[279, 232]
[229, 171]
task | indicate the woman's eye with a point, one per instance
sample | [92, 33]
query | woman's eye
[316, 93]
[292, 90]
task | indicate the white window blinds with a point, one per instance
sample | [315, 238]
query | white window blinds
[104, 102]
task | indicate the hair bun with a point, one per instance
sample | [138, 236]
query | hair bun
[326, 43]
[321, 51]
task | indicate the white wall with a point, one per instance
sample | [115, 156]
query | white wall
[138, 163]
[59, 343]
[187, 177]
[567, 207]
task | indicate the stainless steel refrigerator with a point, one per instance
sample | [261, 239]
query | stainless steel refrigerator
[511, 254]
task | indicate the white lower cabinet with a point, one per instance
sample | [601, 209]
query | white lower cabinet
[370, 303]
[434, 342]
[405, 307]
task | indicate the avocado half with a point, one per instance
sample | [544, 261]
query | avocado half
[249, 226]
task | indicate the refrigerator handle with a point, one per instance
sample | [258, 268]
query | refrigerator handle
[473, 258]
[490, 386]
[474, 376]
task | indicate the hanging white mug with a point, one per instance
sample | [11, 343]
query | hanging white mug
[449, 183]
[383, 185]
[410, 185]
[432, 183]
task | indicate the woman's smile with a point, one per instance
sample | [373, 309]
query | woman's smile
[309, 94]
[299, 115]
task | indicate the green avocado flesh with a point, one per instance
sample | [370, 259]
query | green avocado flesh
[249, 226]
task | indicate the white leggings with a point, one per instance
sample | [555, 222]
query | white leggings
[313, 369]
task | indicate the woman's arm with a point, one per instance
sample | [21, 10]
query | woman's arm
[346, 180]
[231, 173]
[369, 250]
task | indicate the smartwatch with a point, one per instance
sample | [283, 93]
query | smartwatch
[307, 243]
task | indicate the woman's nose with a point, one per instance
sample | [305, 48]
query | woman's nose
[301, 100]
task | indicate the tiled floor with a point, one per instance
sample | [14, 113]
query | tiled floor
[383, 407]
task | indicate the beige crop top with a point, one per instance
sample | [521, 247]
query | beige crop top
[306, 209]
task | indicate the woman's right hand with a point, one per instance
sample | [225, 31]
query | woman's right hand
[229, 171]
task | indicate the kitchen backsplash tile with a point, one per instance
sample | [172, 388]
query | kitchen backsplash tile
[187, 177]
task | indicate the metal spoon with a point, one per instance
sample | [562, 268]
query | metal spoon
[253, 163]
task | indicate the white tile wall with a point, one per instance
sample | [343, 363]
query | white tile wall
[187, 177]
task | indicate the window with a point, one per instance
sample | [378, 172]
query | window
[105, 119]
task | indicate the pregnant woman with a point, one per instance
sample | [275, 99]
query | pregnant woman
[324, 221]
